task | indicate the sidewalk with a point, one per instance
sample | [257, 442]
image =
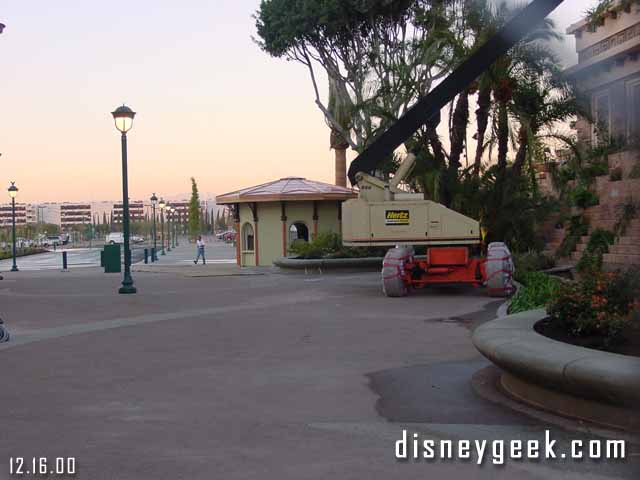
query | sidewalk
[221, 261]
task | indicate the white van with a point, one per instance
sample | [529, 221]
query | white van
[115, 237]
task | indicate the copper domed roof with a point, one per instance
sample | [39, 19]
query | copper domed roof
[288, 188]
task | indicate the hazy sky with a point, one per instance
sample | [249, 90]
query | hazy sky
[210, 104]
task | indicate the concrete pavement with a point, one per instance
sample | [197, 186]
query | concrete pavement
[273, 376]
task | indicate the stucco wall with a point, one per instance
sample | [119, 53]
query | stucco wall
[269, 226]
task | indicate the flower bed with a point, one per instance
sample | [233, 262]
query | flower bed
[600, 311]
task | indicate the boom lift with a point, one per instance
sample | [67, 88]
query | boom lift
[384, 215]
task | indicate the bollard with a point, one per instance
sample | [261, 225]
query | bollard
[64, 261]
[154, 258]
[146, 255]
[102, 258]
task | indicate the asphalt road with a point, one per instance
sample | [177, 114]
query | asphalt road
[270, 376]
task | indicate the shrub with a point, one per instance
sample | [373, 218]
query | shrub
[594, 168]
[577, 228]
[599, 241]
[615, 175]
[538, 290]
[323, 244]
[530, 261]
[582, 197]
[329, 245]
[629, 212]
[599, 305]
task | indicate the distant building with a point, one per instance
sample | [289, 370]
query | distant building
[6, 214]
[136, 211]
[182, 210]
[73, 214]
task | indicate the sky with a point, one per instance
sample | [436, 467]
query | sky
[210, 104]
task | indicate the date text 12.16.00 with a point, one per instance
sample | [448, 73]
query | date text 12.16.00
[42, 466]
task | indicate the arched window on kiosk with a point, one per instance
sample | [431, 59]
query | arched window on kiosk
[298, 231]
[248, 244]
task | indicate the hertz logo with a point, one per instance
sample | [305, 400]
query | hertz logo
[396, 217]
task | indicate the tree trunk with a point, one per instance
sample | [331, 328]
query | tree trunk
[503, 137]
[459, 122]
[521, 154]
[459, 131]
[341, 166]
[436, 147]
[482, 118]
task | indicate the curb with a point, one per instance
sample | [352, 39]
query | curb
[371, 263]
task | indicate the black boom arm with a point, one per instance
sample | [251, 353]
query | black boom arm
[429, 106]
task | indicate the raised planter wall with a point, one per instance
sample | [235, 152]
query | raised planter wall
[577, 382]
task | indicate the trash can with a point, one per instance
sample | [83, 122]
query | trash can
[111, 258]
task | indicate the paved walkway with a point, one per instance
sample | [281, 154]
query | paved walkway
[275, 376]
[220, 257]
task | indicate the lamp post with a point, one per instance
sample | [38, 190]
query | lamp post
[162, 204]
[174, 231]
[13, 192]
[168, 208]
[154, 201]
[123, 117]
[178, 227]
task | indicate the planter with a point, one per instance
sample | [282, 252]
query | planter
[576, 382]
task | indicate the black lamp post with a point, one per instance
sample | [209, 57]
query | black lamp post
[178, 227]
[162, 204]
[13, 192]
[174, 224]
[123, 117]
[169, 227]
[154, 201]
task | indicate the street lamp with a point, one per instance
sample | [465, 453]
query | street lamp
[13, 192]
[179, 227]
[168, 209]
[163, 205]
[173, 222]
[123, 117]
[154, 201]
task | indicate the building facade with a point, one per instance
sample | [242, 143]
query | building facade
[136, 211]
[608, 75]
[74, 214]
[6, 214]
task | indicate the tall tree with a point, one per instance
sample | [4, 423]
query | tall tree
[379, 56]
[194, 210]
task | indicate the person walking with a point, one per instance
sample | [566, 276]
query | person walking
[200, 247]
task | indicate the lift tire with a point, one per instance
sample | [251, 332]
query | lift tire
[499, 268]
[4, 334]
[393, 271]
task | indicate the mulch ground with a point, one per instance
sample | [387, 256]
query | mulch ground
[629, 343]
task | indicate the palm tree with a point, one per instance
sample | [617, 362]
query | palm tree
[340, 111]
[502, 79]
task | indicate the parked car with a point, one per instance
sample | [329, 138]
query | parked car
[115, 237]
[229, 236]
[51, 240]
[137, 239]
[226, 236]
